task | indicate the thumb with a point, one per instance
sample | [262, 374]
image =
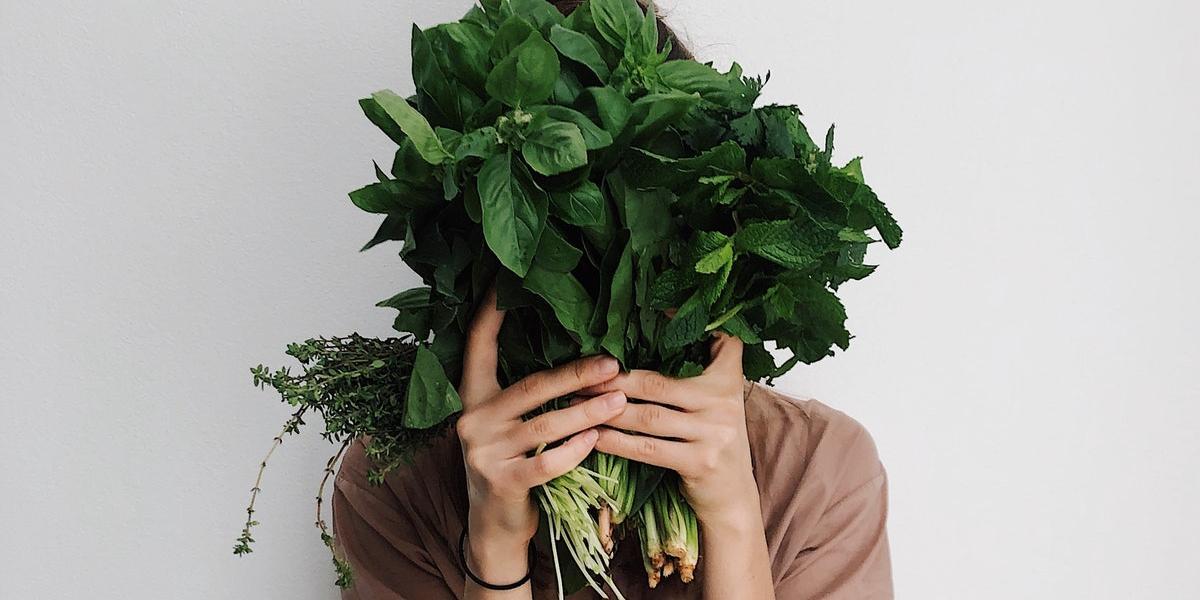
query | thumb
[481, 352]
[726, 354]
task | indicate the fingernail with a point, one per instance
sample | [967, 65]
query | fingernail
[589, 437]
[607, 366]
[615, 401]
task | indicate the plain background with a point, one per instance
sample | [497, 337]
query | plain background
[174, 178]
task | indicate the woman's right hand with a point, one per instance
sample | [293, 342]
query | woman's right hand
[496, 442]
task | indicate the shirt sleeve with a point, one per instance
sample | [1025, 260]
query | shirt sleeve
[392, 537]
[845, 554]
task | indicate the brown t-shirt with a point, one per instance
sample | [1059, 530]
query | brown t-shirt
[822, 488]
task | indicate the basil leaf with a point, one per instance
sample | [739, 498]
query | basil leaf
[554, 147]
[571, 302]
[414, 308]
[620, 303]
[380, 118]
[613, 108]
[555, 253]
[616, 20]
[527, 74]
[582, 205]
[391, 229]
[579, 48]
[430, 397]
[514, 212]
[413, 124]
[511, 33]
[594, 137]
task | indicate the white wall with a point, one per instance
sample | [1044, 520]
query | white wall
[173, 211]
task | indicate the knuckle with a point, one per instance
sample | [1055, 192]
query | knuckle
[539, 428]
[542, 466]
[476, 464]
[709, 461]
[656, 384]
[579, 370]
[465, 427]
[646, 447]
[649, 416]
[530, 386]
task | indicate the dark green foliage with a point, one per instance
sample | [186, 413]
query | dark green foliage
[655, 172]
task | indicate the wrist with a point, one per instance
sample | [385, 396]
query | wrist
[734, 520]
[497, 561]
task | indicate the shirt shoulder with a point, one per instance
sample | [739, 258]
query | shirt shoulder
[816, 469]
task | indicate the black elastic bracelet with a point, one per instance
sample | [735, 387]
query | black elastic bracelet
[462, 558]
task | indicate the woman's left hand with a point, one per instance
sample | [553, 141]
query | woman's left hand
[695, 426]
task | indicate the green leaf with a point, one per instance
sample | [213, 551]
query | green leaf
[594, 137]
[430, 397]
[391, 197]
[779, 242]
[687, 326]
[647, 216]
[849, 234]
[620, 303]
[539, 12]
[655, 112]
[470, 44]
[613, 108]
[690, 77]
[717, 259]
[644, 42]
[527, 75]
[479, 143]
[582, 205]
[391, 229]
[554, 147]
[616, 20]
[413, 124]
[568, 298]
[514, 212]
[380, 118]
[579, 48]
[429, 78]
[414, 308]
[555, 253]
[511, 33]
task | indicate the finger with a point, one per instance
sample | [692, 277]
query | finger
[551, 463]
[480, 354]
[648, 385]
[543, 386]
[668, 454]
[726, 353]
[555, 425]
[657, 420]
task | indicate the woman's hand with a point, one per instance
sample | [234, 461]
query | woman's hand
[696, 426]
[496, 442]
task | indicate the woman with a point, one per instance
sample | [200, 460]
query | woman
[790, 495]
